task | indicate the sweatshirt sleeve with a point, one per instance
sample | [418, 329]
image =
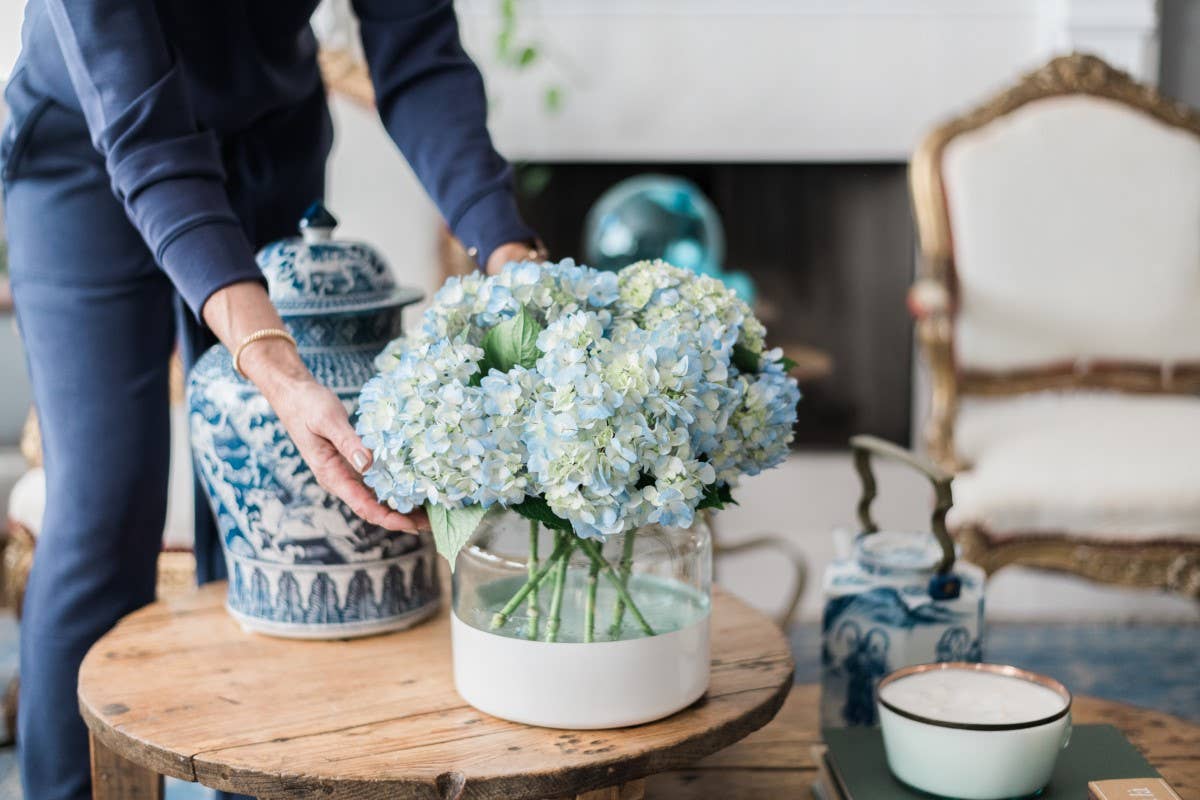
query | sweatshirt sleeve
[164, 168]
[431, 98]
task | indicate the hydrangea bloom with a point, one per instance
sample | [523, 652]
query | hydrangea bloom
[632, 409]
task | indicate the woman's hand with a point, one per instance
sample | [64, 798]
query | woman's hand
[320, 427]
[314, 417]
[514, 251]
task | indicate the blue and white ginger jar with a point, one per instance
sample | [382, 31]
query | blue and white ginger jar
[301, 563]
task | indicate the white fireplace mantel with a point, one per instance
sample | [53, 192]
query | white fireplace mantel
[776, 80]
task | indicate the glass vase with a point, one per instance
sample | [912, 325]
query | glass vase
[563, 632]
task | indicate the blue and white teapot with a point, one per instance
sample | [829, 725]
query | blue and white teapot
[301, 563]
[901, 599]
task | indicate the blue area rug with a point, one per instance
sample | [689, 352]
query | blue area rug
[1156, 666]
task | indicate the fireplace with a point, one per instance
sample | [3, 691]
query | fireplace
[830, 248]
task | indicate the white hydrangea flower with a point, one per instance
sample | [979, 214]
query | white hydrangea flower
[631, 414]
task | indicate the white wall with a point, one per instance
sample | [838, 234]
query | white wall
[11, 12]
[776, 80]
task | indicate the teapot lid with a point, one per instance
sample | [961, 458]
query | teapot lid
[316, 274]
[898, 552]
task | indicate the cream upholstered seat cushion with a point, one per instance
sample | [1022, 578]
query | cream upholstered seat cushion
[1109, 466]
[1076, 230]
[27, 503]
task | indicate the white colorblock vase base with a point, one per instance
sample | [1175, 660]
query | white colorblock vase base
[581, 686]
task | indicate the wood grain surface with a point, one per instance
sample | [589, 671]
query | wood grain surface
[179, 688]
[776, 762]
[114, 778]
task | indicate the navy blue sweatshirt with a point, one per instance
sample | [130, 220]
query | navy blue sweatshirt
[162, 83]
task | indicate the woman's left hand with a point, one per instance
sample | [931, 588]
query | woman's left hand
[514, 251]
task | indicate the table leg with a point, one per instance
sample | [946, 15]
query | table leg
[115, 778]
[634, 790]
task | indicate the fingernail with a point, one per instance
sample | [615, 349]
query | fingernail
[360, 459]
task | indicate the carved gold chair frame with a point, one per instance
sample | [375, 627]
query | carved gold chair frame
[1166, 564]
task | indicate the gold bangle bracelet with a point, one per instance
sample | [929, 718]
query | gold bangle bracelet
[258, 336]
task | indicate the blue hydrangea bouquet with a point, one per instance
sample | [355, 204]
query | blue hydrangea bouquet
[592, 403]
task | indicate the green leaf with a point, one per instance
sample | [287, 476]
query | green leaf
[537, 509]
[452, 527]
[527, 56]
[532, 179]
[745, 359]
[553, 98]
[716, 497]
[485, 367]
[512, 343]
[788, 364]
[504, 43]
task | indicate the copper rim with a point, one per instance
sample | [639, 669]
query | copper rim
[996, 669]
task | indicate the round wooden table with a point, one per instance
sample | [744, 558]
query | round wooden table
[179, 689]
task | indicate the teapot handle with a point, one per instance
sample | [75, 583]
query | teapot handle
[866, 446]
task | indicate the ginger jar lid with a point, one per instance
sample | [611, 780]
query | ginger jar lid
[315, 273]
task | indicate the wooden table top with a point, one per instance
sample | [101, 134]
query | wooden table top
[776, 762]
[179, 688]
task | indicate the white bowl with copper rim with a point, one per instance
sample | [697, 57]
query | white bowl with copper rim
[973, 731]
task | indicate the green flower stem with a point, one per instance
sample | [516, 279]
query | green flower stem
[560, 585]
[614, 630]
[593, 552]
[589, 614]
[561, 548]
[535, 611]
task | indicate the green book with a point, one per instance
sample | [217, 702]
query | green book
[1096, 752]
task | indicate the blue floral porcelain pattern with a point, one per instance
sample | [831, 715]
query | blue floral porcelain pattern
[301, 563]
[879, 617]
[343, 330]
[313, 276]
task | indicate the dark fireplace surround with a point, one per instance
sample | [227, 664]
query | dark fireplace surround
[831, 248]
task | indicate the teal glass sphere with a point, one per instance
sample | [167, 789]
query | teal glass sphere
[655, 216]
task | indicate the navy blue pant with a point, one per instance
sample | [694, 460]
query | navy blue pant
[98, 321]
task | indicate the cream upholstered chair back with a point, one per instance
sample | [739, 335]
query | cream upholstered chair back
[1075, 226]
[1060, 229]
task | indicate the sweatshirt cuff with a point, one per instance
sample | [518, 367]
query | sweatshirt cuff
[206, 257]
[490, 221]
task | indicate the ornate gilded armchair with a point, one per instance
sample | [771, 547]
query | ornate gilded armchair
[1059, 313]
